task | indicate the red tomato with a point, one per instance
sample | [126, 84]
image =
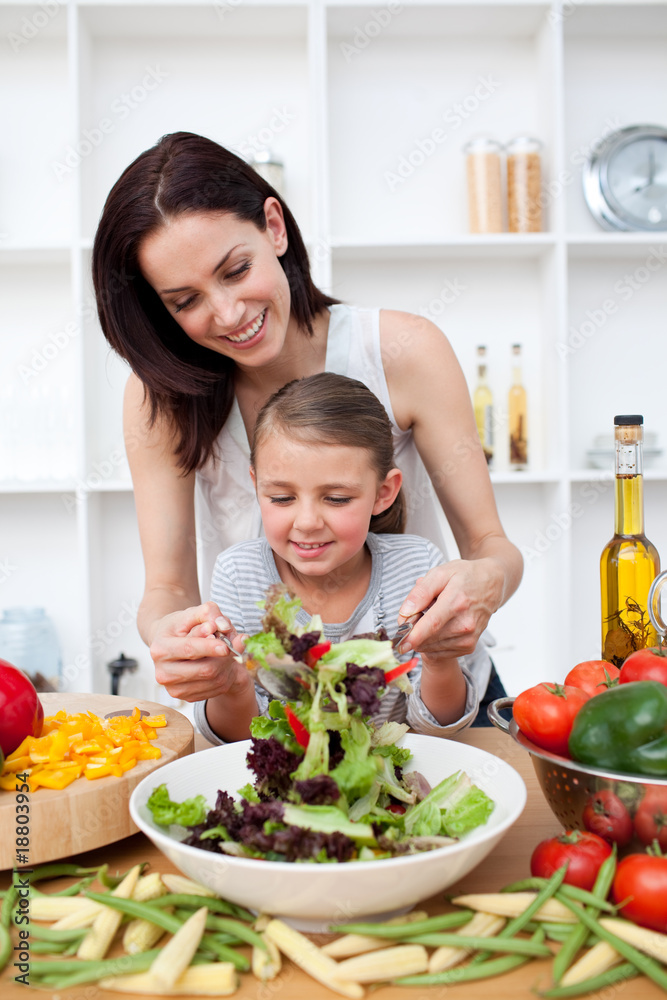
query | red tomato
[545, 713]
[606, 815]
[593, 676]
[651, 816]
[584, 852]
[645, 665]
[640, 884]
[21, 712]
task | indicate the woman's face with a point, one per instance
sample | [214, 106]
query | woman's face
[220, 277]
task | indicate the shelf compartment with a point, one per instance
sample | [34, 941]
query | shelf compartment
[403, 103]
[615, 324]
[42, 566]
[615, 74]
[139, 81]
[474, 302]
[37, 194]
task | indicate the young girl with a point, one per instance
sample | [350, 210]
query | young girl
[333, 514]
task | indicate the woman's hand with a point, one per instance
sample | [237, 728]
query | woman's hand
[190, 662]
[463, 594]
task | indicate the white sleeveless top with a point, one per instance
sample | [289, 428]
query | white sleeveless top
[226, 507]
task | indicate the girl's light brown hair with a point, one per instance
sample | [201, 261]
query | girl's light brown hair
[333, 409]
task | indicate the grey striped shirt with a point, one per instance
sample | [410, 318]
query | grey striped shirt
[243, 573]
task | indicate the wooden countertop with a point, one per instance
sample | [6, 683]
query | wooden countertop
[509, 862]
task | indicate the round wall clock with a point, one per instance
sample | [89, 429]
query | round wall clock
[625, 179]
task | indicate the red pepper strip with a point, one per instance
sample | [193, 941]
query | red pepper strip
[301, 734]
[316, 651]
[402, 668]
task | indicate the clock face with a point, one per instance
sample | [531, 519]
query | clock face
[625, 181]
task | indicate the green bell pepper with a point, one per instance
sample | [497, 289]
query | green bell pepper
[624, 729]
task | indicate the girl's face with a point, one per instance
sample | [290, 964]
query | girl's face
[220, 277]
[317, 500]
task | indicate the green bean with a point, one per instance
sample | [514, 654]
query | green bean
[573, 891]
[144, 911]
[112, 881]
[104, 967]
[5, 946]
[442, 922]
[224, 953]
[518, 923]
[470, 972]
[39, 933]
[213, 903]
[72, 948]
[8, 904]
[579, 932]
[644, 963]
[76, 887]
[211, 925]
[73, 973]
[44, 872]
[242, 931]
[621, 972]
[518, 946]
[48, 947]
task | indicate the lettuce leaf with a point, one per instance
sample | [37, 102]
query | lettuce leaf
[165, 812]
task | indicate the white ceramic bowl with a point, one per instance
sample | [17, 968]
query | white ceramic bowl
[316, 893]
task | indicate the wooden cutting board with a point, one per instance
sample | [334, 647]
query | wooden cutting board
[88, 814]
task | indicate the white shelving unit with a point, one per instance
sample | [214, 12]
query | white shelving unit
[369, 107]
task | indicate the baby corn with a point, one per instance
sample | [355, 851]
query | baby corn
[266, 964]
[96, 943]
[389, 963]
[652, 943]
[359, 944]
[310, 958]
[180, 885]
[142, 935]
[177, 954]
[513, 904]
[212, 979]
[594, 962]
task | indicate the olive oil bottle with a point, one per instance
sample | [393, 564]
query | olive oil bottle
[629, 562]
[482, 401]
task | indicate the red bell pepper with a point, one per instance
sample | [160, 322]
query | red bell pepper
[316, 652]
[402, 668]
[301, 734]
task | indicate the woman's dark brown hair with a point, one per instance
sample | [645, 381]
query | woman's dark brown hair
[193, 386]
[333, 409]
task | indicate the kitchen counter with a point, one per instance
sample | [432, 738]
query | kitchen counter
[509, 862]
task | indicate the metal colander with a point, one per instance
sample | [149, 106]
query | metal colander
[567, 784]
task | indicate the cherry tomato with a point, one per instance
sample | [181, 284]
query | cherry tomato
[640, 884]
[645, 665]
[546, 712]
[651, 816]
[21, 712]
[584, 852]
[606, 815]
[593, 676]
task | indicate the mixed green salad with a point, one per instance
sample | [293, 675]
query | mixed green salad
[329, 785]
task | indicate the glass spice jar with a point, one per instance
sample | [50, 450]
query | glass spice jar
[485, 206]
[524, 185]
[271, 168]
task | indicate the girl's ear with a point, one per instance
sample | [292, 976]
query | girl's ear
[275, 225]
[252, 476]
[388, 491]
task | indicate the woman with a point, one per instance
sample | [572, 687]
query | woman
[203, 286]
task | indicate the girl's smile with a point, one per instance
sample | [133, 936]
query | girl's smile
[316, 501]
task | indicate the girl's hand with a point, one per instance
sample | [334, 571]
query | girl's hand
[190, 662]
[464, 594]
